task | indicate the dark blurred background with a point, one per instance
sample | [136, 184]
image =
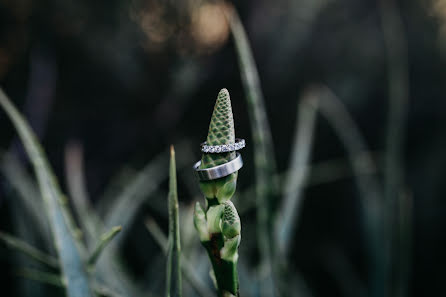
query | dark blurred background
[127, 78]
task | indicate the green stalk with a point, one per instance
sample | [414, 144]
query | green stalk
[264, 162]
[369, 188]
[398, 208]
[68, 246]
[219, 226]
[57, 281]
[27, 249]
[188, 269]
[297, 173]
[173, 281]
[105, 239]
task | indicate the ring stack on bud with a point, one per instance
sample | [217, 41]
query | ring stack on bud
[219, 225]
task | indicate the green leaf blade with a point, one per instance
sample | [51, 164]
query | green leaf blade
[173, 280]
[62, 227]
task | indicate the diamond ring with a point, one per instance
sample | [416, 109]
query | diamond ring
[224, 148]
[220, 170]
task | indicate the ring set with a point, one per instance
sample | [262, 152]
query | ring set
[223, 169]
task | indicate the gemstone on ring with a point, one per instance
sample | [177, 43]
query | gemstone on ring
[224, 148]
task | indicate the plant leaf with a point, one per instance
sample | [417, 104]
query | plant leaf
[105, 239]
[264, 160]
[173, 282]
[62, 226]
[27, 249]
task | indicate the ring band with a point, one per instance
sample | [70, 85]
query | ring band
[224, 148]
[220, 170]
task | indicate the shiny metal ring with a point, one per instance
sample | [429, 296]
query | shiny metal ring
[220, 170]
[224, 148]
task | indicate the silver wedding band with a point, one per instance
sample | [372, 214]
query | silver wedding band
[220, 170]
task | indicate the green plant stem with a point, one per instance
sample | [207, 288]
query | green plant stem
[41, 276]
[264, 162]
[124, 207]
[57, 281]
[189, 272]
[226, 274]
[75, 177]
[297, 174]
[27, 249]
[219, 226]
[108, 266]
[27, 191]
[398, 238]
[369, 188]
[105, 239]
[173, 281]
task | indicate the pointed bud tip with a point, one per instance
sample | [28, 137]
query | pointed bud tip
[223, 94]
[172, 150]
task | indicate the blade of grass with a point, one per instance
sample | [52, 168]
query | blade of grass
[125, 206]
[27, 192]
[189, 272]
[264, 160]
[297, 173]
[173, 281]
[67, 246]
[319, 173]
[24, 228]
[157, 234]
[42, 276]
[398, 95]
[108, 268]
[27, 249]
[105, 239]
[369, 188]
[75, 177]
[57, 281]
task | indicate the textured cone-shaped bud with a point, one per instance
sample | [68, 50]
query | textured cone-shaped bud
[221, 131]
[231, 225]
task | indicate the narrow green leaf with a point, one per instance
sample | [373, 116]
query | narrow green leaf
[398, 229]
[41, 276]
[62, 226]
[369, 188]
[105, 239]
[123, 208]
[134, 193]
[157, 234]
[108, 266]
[297, 173]
[27, 190]
[264, 160]
[57, 281]
[189, 272]
[173, 282]
[27, 249]
[77, 189]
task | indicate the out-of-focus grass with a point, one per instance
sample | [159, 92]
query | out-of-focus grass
[68, 246]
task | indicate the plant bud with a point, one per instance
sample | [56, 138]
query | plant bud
[231, 225]
[221, 131]
[200, 223]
